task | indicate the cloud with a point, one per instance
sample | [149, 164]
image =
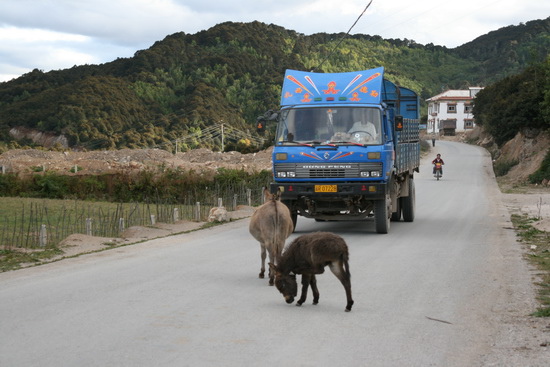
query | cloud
[56, 34]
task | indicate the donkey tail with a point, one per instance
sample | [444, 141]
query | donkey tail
[278, 241]
[345, 259]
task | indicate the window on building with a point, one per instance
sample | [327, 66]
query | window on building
[468, 108]
[468, 124]
[451, 108]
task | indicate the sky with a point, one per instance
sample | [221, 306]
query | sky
[59, 34]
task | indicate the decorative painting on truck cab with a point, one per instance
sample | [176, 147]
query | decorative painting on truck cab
[301, 87]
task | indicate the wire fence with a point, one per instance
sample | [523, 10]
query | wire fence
[38, 225]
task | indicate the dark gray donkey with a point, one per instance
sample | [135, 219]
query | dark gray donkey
[308, 255]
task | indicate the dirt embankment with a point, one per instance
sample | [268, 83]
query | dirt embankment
[110, 161]
[525, 153]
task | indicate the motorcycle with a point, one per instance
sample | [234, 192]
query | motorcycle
[437, 171]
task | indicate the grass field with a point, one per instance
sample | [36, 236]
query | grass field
[23, 221]
[31, 229]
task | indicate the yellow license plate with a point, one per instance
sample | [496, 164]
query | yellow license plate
[326, 188]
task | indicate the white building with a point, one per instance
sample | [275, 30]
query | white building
[452, 105]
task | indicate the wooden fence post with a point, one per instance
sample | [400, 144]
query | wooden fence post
[249, 197]
[89, 226]
[43, 237]
[153, 219]
[176, 215]
[198, 212]
[121, 224]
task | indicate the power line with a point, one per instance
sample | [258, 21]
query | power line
[344, 37]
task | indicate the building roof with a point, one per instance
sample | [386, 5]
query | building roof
[455, 94]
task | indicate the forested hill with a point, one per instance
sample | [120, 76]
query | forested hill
[508, 50]
[182, 86]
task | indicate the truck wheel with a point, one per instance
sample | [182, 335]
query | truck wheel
[408, 203]
[382, 215]
[294, 217]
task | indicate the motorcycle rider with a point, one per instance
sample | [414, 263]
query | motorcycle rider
[438, 160]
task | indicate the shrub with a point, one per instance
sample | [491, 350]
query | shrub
[51, 186]
[543, 173]
[501, 168]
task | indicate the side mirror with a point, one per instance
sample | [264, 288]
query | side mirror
[272, 115]
[398, 123]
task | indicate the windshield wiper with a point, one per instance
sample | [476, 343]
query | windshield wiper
[300, 143]
[333, 143]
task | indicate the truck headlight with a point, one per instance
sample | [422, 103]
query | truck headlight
[365, 174]
[375, 174]
[289, 174]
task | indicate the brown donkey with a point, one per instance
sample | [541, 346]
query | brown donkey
[271, 224]
[308, 255]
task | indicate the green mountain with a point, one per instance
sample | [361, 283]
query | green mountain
[183, 86]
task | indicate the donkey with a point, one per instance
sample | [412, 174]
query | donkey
[271, 224]
[308, 255]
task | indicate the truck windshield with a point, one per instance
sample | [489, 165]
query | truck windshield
[335, 125]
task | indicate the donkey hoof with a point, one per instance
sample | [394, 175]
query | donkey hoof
[261, 276]
[315, 302]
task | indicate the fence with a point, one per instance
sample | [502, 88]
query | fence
[40, 226]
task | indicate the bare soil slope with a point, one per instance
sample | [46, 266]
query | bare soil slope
[109, 161]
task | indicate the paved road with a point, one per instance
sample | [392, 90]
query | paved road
[423, 293]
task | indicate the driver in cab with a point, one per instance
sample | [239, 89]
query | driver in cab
[363, 132]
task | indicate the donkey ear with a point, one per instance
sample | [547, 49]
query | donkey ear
[267, 195]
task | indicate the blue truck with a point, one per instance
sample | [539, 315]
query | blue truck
[346, 147]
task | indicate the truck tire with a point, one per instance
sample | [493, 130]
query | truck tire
[293, 213]
[382, 215]
[408, 203]
[294, 217]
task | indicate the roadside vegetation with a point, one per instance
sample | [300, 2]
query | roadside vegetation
[38, 212]
[537, 243]
[543, 173]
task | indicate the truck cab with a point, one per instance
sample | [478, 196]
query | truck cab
[343, 150]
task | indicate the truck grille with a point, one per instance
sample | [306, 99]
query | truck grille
[327, 170]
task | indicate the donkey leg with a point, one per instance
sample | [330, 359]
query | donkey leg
[337, 269]
[306, 279]
[272, 260]
[314, 289]
[263, 256]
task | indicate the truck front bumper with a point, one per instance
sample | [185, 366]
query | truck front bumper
[329, 190]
